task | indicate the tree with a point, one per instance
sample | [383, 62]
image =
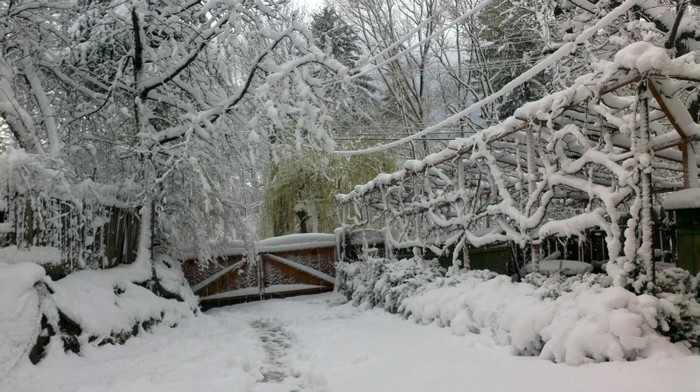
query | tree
[405, 75]
[333, 35]
[301, 184]
[179, 97]
[301, 188]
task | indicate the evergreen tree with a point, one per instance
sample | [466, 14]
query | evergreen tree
[335, 36]
[511, 43]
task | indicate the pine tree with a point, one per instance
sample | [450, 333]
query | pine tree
[335, 36]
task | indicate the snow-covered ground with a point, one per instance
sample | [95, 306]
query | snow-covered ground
[318, 343]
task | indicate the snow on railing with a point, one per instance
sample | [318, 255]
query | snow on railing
[589, 157]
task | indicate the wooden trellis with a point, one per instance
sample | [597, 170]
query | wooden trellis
[590, 157]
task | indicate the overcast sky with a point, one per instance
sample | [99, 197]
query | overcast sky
[310, 5]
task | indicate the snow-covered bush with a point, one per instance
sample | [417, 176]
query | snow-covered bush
[572, 320]
[679, 299]
[385, 283]
[20, 308]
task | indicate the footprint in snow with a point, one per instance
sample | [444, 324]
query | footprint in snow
[276, 341]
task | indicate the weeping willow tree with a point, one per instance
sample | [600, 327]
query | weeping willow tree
[300, 189]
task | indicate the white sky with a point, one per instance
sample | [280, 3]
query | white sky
[309, 6]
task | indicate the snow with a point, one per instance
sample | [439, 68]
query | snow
[296, 242]
[566, 267]
[414, 165]
[234, 293]
[587, 325]
[170, 359]
[646, 57]
[255, 291]
[316, 343]
[286, 288]
[683, 199]
[19, 310]
[104, 302]
[37, 254]
[283, 243]
[575, 321]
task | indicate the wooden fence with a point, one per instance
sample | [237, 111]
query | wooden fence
[95, 236]
[88, 224]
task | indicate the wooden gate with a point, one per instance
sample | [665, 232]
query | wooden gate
[284, 266]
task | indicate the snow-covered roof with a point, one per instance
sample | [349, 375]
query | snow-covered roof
[566, 267]
[683, 199]
[283, 243]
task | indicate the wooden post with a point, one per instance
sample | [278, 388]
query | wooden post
[645, 157]
[686, 167]
[535, 252]
[388, 251]
[467, 261]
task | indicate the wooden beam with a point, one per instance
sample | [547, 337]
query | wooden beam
[677, 143]
[663, 104]
[300, 267]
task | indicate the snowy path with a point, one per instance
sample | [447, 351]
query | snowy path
[275, 342]
[314, 343]
[275, 370]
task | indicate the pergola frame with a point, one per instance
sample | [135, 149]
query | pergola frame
[589, 157]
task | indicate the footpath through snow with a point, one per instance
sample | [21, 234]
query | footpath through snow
[318, 343]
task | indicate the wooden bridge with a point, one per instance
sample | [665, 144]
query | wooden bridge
[284, 266]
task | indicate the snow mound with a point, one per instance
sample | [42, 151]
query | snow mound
[109, 302]
[86, 307]
[645, 57]
[576, 321]
[642, 56]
